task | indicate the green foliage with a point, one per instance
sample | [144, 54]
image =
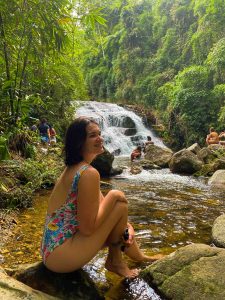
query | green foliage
[41, 57]
[167, 55]
[216, 61]
[4, 152]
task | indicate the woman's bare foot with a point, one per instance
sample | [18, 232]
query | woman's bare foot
[152, 258]
[121, 269]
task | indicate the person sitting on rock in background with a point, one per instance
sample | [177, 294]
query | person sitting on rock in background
[222, 138]
[44, 132]
[212, 137]
[148, 142]
[136, 153]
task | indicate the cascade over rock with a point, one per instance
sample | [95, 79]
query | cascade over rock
[121, 128]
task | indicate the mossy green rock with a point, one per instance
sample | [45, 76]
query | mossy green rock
[192, 272]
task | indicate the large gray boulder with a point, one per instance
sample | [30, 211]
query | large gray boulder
[103, 163]
[158, 155]
[206, 155]
[192, 272]
[195, 148]
[218, 231]
[185, 162]
[26, 281]
[218, 179]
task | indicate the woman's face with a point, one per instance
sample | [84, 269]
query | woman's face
[94, 141]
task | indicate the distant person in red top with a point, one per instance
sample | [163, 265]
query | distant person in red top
[136, 153]
[52, 135]
[212, 137]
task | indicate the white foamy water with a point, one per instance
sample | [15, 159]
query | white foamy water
[115, 122]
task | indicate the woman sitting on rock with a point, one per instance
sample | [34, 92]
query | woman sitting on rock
[80, 221]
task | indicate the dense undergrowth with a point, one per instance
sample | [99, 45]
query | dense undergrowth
[20, 178]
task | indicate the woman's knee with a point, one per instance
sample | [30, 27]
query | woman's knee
[120, 196]
[121, 207]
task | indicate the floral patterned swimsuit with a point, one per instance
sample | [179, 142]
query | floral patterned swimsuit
[62, 223]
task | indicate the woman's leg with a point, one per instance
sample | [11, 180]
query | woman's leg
[135, 253]
[79, 250]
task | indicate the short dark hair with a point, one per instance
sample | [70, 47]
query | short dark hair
[139, 148]
[149, 138]
[75, 138]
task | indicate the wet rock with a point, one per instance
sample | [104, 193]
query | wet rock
[218, 231]
[127, 122]
[116, 171]
[185, 162]
[192, 272]
[135, 170]
[116, 152]
[130, 131]
[206, 155]
[75, 285]
[146, 164]
[218, 179]
[158, 155]
[219, 164]
[12, 289]
[206, 170]
[103, 163]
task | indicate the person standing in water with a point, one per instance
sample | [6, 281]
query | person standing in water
[80, 221]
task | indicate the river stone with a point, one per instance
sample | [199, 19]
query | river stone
[146, 164]
[195, 148]
[218, 231]
[206, 155]
[75, 285]
[192, 272]
[218, 179]
[219, 164]
[103, 163]
[158, 155]
[127, 122]
[130, 131]
[12, 289]
[185, 162]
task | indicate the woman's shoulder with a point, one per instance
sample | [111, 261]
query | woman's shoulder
[91, 172]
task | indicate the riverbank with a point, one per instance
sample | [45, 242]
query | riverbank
[20, 180]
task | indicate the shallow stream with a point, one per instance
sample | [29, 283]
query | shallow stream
[167, 210]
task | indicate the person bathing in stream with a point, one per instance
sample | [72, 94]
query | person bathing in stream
[136, 153]
[80, 221]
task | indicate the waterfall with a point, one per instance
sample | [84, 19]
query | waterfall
[122, 129]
